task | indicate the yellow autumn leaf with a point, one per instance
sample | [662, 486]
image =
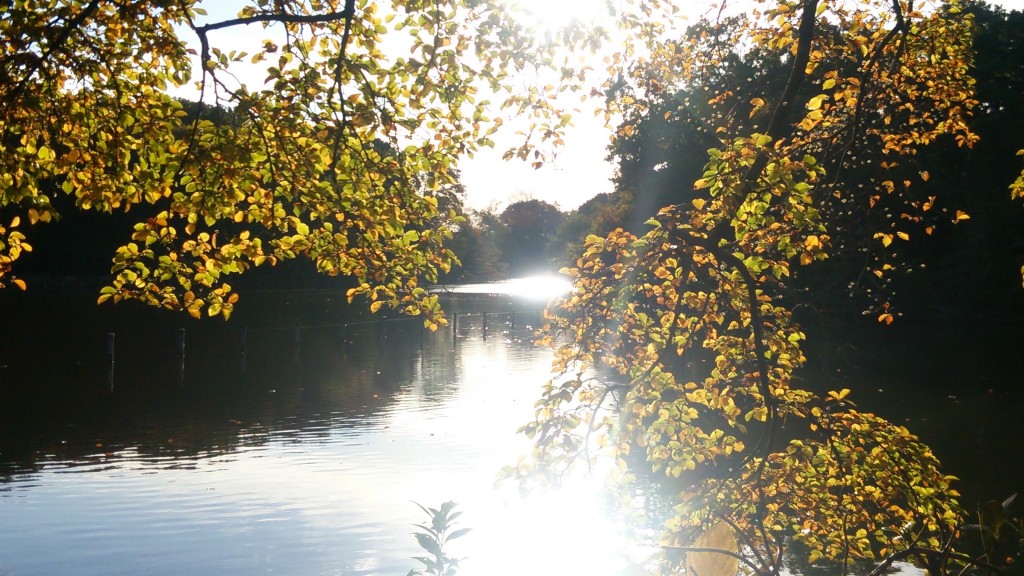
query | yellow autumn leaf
[840, 394]
[815, 103]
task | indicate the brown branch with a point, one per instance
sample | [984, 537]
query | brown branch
[746, 561]
[783, 110]
[349, 13]
[876, 54]
[716, 245]
[592, 426]
[797, 76]
[744, 538]
[279, 18]
[885, 565]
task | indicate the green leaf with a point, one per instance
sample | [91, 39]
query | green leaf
[428, 543]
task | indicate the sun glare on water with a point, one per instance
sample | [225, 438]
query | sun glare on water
[566, 531]
[530, 288]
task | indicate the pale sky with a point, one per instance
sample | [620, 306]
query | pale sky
[580, 170]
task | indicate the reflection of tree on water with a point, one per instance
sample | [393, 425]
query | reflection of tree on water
[339, 371]
[55, 406]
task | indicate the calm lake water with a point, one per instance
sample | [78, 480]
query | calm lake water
[305, 460]
[281, 451]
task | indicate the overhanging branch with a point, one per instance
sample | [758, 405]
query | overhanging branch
[279, 18]
[797, 75]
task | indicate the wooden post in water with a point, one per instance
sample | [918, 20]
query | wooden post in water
[485, 325]
[512, 320]
[245, 348]
[181, 356]
[110, 360]
[455, 327]
[343, 335]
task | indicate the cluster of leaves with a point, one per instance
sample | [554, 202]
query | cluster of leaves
[1017, 192]
[692, 315]
[872, 197]
[1001, 531]
[435, 537]
[335, 156]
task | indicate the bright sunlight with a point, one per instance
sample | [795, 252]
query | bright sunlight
[548, 15]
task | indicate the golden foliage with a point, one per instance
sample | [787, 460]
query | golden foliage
[690, 315]
[334, 157]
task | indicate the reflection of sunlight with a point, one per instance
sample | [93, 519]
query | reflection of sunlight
[531, 287]
[548, 533]
[539, 287]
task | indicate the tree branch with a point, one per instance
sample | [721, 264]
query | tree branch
[797, 75]
[783, 110]
[743, 559]
[349, 14]
[900, 26]
[279, 18]
[883, 567]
